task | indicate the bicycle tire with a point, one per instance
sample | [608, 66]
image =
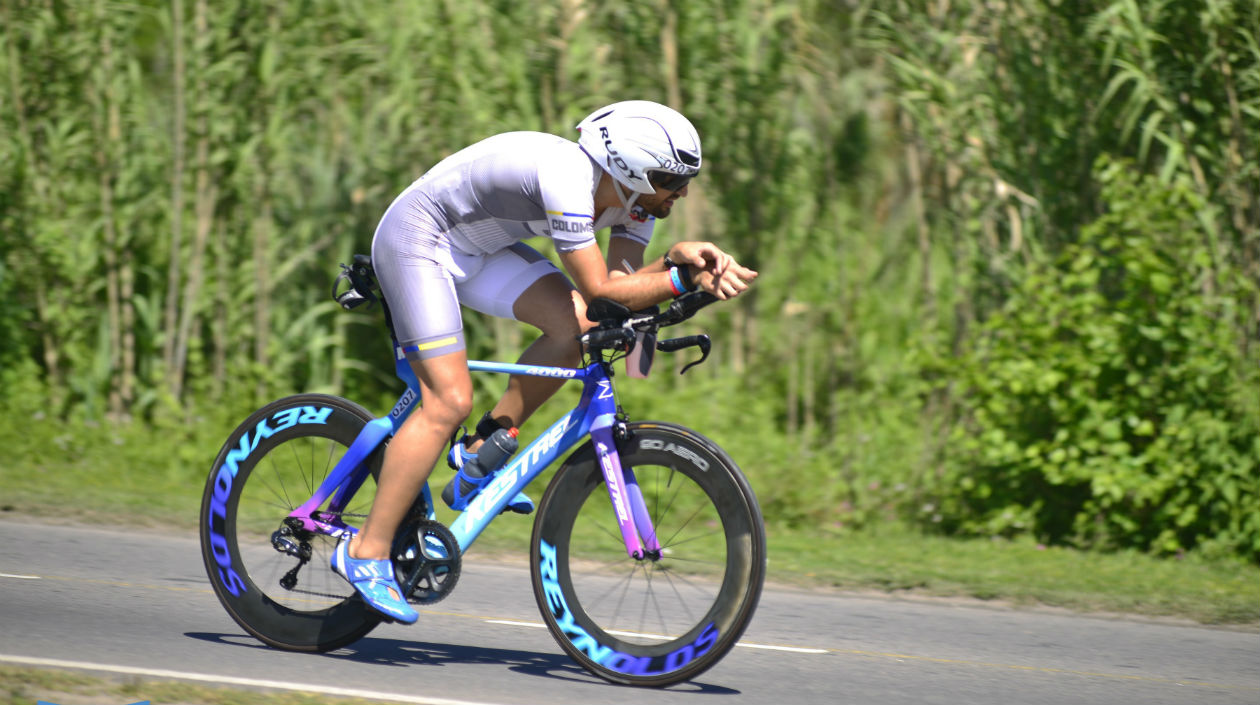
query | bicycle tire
[684, 478]
[271, 463]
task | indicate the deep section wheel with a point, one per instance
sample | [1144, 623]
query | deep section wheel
[669, 616]
[271, 575]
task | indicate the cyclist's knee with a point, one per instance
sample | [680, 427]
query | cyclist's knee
[565, 322]
[448, 407]
[566, 331]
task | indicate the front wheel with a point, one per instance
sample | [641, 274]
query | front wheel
[664, 618]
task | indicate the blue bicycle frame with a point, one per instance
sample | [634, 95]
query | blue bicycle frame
[595, 414]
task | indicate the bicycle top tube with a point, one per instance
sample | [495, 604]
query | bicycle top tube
[537, 370]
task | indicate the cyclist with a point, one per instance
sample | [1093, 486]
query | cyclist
[454, 237]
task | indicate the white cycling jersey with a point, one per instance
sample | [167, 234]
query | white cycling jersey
[455, 235]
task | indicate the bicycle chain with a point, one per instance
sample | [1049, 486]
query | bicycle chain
[335, 596]
[324, 516]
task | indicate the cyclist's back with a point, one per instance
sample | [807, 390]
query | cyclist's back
[512, 187]
[455, 235]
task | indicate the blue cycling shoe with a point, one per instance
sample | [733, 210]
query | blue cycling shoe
[463, 488]
[374, 581]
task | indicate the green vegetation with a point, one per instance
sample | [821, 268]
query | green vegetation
[140, 488]
[898, 561]
[1009, 252]
[1105, 404]
[27, 686]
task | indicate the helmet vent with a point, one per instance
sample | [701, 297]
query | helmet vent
[689, 158]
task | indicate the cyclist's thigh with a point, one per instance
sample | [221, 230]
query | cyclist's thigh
[413, 267]
[506, 275]
[553, 306]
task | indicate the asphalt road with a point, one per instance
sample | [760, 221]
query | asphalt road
[138, 604]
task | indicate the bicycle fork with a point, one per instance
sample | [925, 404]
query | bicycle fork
[624, 492]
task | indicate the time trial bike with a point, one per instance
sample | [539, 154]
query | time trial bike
[648, 550]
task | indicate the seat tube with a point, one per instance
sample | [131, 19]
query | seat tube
[615, 480]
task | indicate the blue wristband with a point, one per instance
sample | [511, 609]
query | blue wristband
[675, 281]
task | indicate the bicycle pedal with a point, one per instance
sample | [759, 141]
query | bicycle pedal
[514, 510]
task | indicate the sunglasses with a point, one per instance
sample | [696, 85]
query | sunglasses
[669, 180]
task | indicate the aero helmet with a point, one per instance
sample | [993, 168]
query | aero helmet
[639, 143]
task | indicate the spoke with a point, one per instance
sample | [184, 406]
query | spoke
[310, 476]
[647, 578]
[649, 571]
[697, 561]
[616, 579]
[278, 504]
[625, 588]
[603, 527]
[673, 496]
[679, 530]
[669, 578]
[698, 587]
[620, 559]
[689, 539]
[328, 463]
[280, 497]
[297, 461]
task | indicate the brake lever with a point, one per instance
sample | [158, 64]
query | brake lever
[691, 341]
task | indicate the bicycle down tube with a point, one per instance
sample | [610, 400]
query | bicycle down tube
[352, 470]
[595, 414]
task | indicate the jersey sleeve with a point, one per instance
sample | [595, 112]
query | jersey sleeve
[567, 187]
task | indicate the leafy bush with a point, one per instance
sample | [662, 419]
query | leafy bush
[1110, 402]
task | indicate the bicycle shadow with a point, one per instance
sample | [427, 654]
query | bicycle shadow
[406, 653]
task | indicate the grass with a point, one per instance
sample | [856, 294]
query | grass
[893, 559]
[123, 476]
[27, 686]
[126, 478]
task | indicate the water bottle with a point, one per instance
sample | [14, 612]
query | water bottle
[491, 456]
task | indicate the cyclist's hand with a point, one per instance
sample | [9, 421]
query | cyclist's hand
[732, 282]
[701, 255]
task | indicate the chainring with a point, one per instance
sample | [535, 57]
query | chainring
[426, 561]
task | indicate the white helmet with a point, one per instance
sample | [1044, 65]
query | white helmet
[641, 143]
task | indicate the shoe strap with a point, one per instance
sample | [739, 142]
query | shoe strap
[370, 570]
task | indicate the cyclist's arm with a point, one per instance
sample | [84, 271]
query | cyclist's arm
[625, 252]
[625, 256]
[649, 284]
[589, 272]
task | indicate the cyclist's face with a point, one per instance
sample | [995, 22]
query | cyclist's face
[660, 203]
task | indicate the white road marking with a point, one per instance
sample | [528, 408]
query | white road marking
[793, 649]
[540, 625]
[233, 680]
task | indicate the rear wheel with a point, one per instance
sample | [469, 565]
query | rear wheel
[664, 618]
[271, 464]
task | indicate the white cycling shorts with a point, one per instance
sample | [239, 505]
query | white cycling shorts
[425, 280]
